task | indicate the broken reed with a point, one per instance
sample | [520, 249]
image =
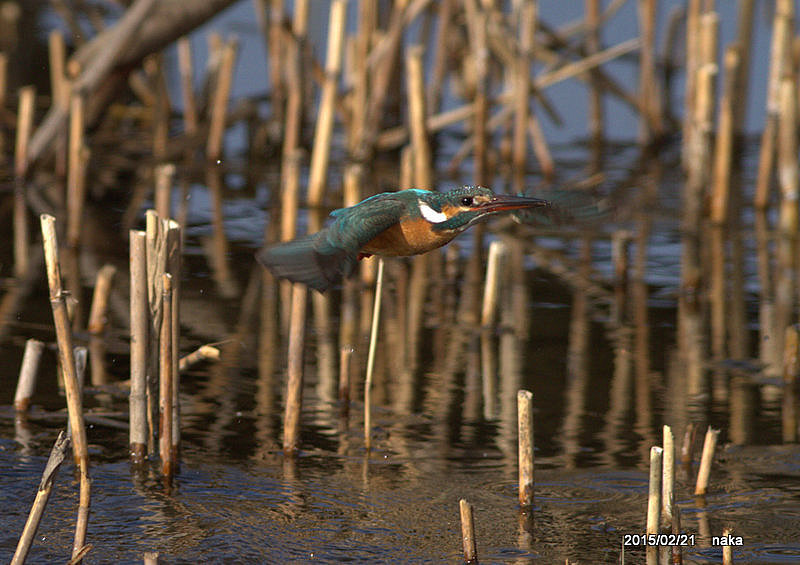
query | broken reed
[525, 447]
[468, 541]
[155, 256]
[71, 385]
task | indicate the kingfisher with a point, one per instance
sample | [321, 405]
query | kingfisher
[390, 224]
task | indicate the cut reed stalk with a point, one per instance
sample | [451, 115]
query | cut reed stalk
[691, 67]
[709, 445]
[494, 266]
[27, 98]
[202, 353]
[102, 289]
[57, 455]
[294, 384]
[522, 87]
[525, 447]
[27, 374]
[174, 253]
[219, 106]
[320, 154]
[163, 193]
[651, 120]
[67, 358]
[373, 343]
[668, 475]
[788, 175]
[654, 491]
[723, 156]
[139, 341]
[165, 379]
[417, 115]
[791, 365]
[782, 25]
[345, 358]
[186, 69]
[468, 541]
[727, 550]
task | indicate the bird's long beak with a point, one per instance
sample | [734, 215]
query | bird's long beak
[503, 202]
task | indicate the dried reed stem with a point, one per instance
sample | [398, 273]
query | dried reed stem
[165, 379]
[373, 343]
[66, 356]
[668, 475]
[782, 25]
[139, 341]
[709, 445]
[721, 182]
[57, 455]
[494, 265]
[320, 154]
[654, 491]
[27, 374]
[102, 290]
[526, 454]
[791, 365]
[76, 179]
[27, 97]
[468, 532]
[186, 68]
[787, 157]
[202, 353]
[294, 384]
[219, 105]
[417, 115]
[727, 550]
[163, 194]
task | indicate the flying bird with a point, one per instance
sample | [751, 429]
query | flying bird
[390, 224]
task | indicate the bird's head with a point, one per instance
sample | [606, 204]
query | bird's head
[458, 209]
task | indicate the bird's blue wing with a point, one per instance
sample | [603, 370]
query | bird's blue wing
[323, 259]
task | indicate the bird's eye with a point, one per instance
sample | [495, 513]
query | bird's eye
[467, 201]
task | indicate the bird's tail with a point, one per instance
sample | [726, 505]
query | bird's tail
[299, 260]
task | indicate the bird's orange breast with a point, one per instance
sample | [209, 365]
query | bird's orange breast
[410, 237]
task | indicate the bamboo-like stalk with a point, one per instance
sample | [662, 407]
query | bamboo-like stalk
[323, 133]
[721, 182]
[67, 357]
[788, 175]
[102, 290]
[290, 193]
[791, 365]
[294, 384]
[494, 265]
[345, 358]
[27, 98]
[373, 343]
[727, 549]
[202, 353]
[174, 254]
[417, 115]
[57, 455]
[295, 67]
[668, 475]
[525, 441]
[165, 174]
[709, 445]
[691, 67]
[522, 86]
[139, 341]
[596, 120]
[27, 374]
[476, 22]
[186, 69]
[779, 58]
[654, 492]
[165, 378]
[468, 541]
[219, 106]
[76, 188]
[651, 121]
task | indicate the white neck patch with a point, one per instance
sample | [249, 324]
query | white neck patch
[430, 214]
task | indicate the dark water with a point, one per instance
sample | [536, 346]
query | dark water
[606, 374]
